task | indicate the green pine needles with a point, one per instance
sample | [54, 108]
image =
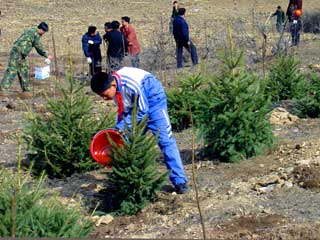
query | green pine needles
[233, 119]
[285, 81]
[26, 210]
[309, 105]
[59, 141]
[184, 98]
[134, 176]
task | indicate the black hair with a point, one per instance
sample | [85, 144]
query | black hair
[43, 26]
[107, 25]
[175, 2]
[126, 18]
[91, 29]
[115, 25]
[101, 81]
[279, 7]
[181, 11]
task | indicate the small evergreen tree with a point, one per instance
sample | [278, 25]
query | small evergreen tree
[285, 80]
[233, 117]
[184, 98]
[309, 105]
[27, 210]
[134, 176]
[59, 142]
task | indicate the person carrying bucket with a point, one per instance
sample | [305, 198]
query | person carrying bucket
[128, 84]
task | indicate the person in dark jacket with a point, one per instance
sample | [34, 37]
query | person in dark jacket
[181, 36]
[175, 9]
[117, 47]
[280, 18]
[91, 42]
[295, 20]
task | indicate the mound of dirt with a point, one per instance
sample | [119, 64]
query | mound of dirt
[280, 116]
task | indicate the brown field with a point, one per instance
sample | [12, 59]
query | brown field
[262, 198]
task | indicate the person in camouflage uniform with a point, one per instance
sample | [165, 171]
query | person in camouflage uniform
[18, 54]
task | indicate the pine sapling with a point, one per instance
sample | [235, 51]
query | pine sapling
[134, 176]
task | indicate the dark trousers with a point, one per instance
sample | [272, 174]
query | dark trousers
[114, 63]
[191, 49]
[295, 29]
[95, 66]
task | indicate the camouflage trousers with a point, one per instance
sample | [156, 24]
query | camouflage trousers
[17, 66]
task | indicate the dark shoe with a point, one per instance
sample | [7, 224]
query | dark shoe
[182, 188]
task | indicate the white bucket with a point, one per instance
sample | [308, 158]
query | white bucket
[41, 73]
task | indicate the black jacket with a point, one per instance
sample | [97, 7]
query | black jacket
[180, 30]
[117, 43]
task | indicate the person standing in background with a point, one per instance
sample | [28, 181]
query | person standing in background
[133, 45]
[280, 18]
[117, 47]
[91, 42]
[174, 13]
[294, 13]
[181, 36]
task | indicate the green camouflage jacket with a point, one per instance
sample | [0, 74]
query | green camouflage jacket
[29, 39]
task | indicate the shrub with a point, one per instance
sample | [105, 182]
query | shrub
[311, 21]
[27, 211]
[59, 141]
[285, 80]
[134, 176]
[309, 105]
[183, 99]
[233, 117]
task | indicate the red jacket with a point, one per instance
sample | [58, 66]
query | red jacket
[131, 36]
[293, 5]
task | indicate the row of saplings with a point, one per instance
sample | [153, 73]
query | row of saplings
[230, 111]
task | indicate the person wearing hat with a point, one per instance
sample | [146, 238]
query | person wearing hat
[128, 84]
[18, 57]
[91, 42]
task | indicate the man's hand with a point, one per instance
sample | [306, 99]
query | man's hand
[90, 42]
[89, 60]
[47, 61]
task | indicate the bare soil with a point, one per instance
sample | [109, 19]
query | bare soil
[274, 196]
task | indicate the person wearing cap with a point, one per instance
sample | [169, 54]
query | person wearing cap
[133, 44]
[181, 36]
[18, 57]
[117, 46]
[128, 84]
[91, 42]
[294, 12]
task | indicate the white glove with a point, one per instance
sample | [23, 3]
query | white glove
[295, 21]
[90, 42]
[89, 60]
[47, 61]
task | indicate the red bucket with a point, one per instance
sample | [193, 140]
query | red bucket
[100, 146]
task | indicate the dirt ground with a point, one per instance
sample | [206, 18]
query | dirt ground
[274, 196]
